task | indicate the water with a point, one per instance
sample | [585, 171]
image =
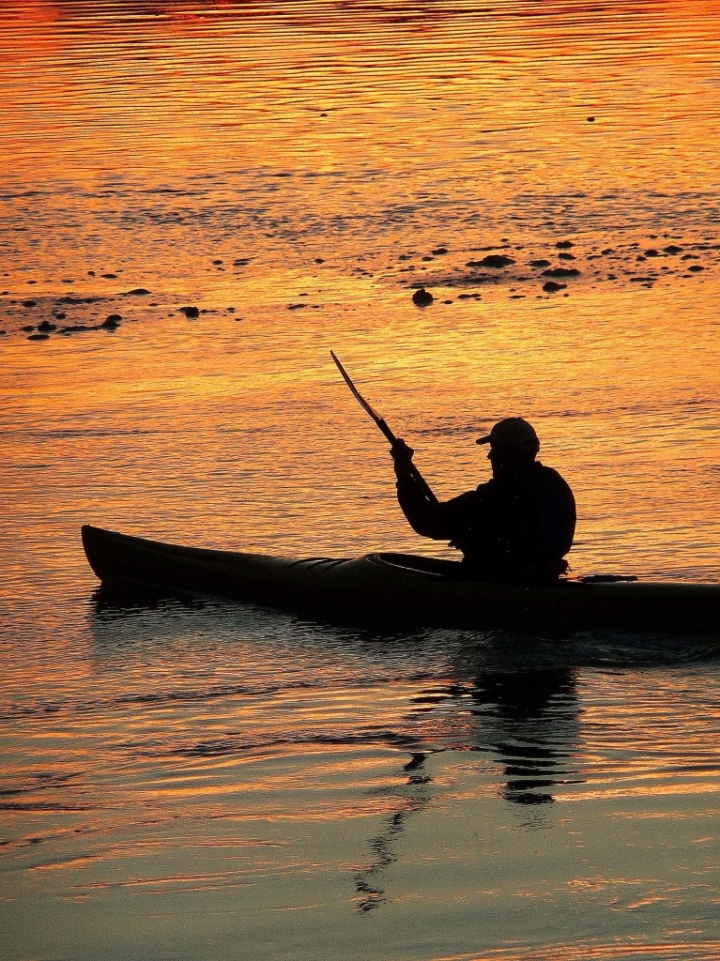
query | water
[219, 781]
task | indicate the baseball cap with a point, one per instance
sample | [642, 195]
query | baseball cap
[513, 432]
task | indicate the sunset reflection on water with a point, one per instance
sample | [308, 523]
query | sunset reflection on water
[295, 171]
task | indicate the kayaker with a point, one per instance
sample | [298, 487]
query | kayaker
[516, 527]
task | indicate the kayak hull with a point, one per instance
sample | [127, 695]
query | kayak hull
[402, 589]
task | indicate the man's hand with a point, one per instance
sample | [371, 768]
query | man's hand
[402, 456]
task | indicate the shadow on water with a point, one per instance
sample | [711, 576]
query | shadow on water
[118, 613]
[121, 604]
[529, 720]
[526, 721]
[118, 601]
[414, 797]
[508, 700]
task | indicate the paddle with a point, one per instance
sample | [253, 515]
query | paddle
[382, 424]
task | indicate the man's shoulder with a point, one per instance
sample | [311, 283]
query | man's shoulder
[482, 490]
[550, 473]
[469, 497]
[555, 482]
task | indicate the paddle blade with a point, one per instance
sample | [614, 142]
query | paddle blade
[380, 421]
[355, 392]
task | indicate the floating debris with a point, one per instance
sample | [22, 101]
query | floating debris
[496, 261]
[422, 297]
[561, 272]
[415, 762]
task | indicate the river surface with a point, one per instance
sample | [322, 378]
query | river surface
[204, 780]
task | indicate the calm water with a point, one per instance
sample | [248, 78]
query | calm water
[215, 781]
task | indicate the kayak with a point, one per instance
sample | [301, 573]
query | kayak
[403, 589]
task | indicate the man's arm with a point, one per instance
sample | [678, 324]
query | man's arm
[426, 517]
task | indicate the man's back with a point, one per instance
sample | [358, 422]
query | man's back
[512, 524]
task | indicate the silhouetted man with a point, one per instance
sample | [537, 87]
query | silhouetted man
[516, 527]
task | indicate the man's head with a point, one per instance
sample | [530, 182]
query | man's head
[513, 446]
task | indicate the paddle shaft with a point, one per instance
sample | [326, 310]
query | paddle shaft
[382, 425]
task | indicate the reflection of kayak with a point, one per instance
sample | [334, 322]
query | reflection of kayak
[402, 589]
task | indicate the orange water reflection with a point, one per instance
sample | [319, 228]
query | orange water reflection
[239, 446]
[502, 91]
